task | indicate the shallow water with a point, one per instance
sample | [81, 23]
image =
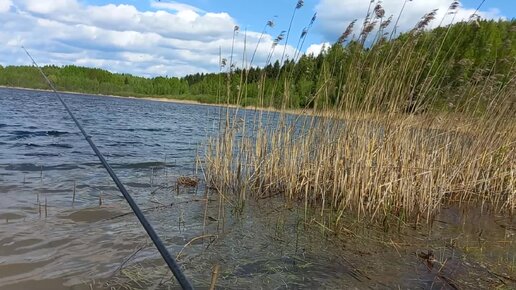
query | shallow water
[43, 236]
[51, 240]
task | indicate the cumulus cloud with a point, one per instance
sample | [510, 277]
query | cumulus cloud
[175, 6]
[335, 15]
[169, 38]
[5, 5]
[49, 7]
[316, 49]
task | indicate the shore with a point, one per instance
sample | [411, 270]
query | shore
[170, 100]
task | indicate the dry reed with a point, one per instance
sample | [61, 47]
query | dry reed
[377, 150]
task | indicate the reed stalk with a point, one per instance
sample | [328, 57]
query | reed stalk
[377, 149]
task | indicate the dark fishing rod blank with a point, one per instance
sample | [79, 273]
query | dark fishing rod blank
[171, 263]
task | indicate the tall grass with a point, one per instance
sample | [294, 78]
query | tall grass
[381, 147]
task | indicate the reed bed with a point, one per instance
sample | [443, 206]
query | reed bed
[381, 146]
[405, 166]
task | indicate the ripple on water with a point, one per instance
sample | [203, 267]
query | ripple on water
[27, 145]
[41, 154]
[57, 145]
[138, 165]
[10, 216]
[35, 167]
[144, 129]
[137, 184]
[23, 134]
[124, 144]
[7, 188]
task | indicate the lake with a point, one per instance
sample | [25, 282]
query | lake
[64, 225]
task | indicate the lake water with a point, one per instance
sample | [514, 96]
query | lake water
[50, 239]
[43, 154]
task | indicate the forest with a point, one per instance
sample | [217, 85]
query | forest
[467, 50]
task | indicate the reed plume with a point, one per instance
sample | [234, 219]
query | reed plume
[373, 146]
[379, 11]
[347, 32]
[425, 20]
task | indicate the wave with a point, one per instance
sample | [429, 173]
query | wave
[68, 146]
[145, 129]
[36, 167]
[22, 134]
[29, 145]
[137, 184]
[41, 154]
[139, 165]
[124, 143]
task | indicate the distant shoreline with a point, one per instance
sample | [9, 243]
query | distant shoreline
[165, 100]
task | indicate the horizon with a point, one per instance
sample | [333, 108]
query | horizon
[175, 39]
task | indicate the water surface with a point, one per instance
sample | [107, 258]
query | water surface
[51, 240]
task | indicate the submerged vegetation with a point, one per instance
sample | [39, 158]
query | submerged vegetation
[389, 131]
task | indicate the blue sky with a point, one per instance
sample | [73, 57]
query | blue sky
[254, 14]
[151, 37]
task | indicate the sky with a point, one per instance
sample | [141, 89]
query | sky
[174, 38]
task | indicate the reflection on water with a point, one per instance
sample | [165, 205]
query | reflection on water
[54, 234]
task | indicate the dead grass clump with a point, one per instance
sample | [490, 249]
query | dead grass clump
[187, 181]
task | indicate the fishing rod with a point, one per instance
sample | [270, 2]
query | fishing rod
[171, 263]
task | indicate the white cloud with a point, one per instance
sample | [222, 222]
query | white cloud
[335, 15]
[172, 39]
[175, 6]
[47, 7]
[5, 5]
[316, 49]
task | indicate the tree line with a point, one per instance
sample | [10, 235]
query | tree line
[455, 55]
